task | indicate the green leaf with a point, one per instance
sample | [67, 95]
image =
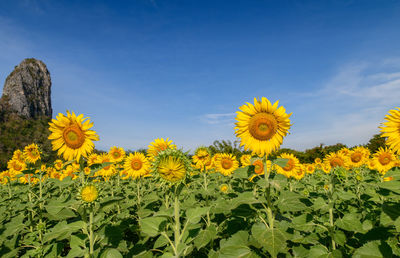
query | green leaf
[290, 201]
[281, 162]
[373, 249]
[63, 230]
[193, 215]
[241, 173]
[152, 226]
[339, 237]
[271, 239]
[205, 237]
[236, 251]
[350, 222]
[111, 253]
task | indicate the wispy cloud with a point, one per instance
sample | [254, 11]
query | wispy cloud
[212, 119]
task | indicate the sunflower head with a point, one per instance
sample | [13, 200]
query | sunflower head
[309, 168]
[18, 155]
[172, 165]
[224, 188]
[32, 153]
[258, 166]
[292, 165]
[226, 164]
[201, 157]
[15, 167]
[245, 160]
[159, 145]
[117, 154]
[108, 170]
[336, 159]
[384, 160]
[71, 136]
[136, 165]
[261, 126]
[89, 193]
[391, 130]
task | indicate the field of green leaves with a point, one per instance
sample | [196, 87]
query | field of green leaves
[339, 214]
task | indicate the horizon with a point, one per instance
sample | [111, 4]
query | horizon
[181, 70]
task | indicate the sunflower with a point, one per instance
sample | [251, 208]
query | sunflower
[159, 145]
[226, 164]
[32, 153]
[136, 165]
[258, 166]
[391, 130]
[116, 154]
[106, 171]
[384, 160]
[326, 167]
[58, 164]
[89, 193]
[214, 160]
[245, 160]
[201, 157]
[292, 165]
[93, 159]
[172, 165]
[262, 126]
[345, 151]
[357, 157]
[309, 168]
[19, 156]
[224, 188]
[336, 159]
[15, 167]
[317, 161]
[299, 174]
[71, 136]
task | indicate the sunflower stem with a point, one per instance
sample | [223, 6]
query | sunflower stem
[91, 239]
[177, 228]
[9, 187]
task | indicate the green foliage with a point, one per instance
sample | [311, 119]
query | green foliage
[376, 142]
[17, 132]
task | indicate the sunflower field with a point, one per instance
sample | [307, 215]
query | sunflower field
[167, 203]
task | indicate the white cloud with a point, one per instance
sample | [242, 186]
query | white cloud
[223, 118]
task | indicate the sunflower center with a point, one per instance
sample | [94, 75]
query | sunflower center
[263, 126]
[336, 162]
[356, 157]
[289, 165]
[226, 163]
[136, 164]
[73, 137]
[116, 155]
[385, 159]
[17, 167]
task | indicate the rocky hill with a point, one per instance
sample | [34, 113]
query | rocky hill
[25, 110]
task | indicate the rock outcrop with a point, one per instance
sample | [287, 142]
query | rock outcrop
[27, 89]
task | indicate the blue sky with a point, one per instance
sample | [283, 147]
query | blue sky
[180, 69]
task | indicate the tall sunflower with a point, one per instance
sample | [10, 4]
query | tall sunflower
[201, 157]
[358, 157]
[226, 164]
[391, 129]
[159, 145]
[262, 126]
[71, 136]
[136, 165]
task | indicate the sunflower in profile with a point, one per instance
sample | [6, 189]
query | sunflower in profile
[32, 153]
[292, 165]
[226, 164]
[116, 154]
[336, 159]
[172, 165]
[201, 157]
[258, 166]
[136, 165]
[262, 126]
[159, 145]
[391, 130]
[70, 135]
[384, 160]
[245, 160]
